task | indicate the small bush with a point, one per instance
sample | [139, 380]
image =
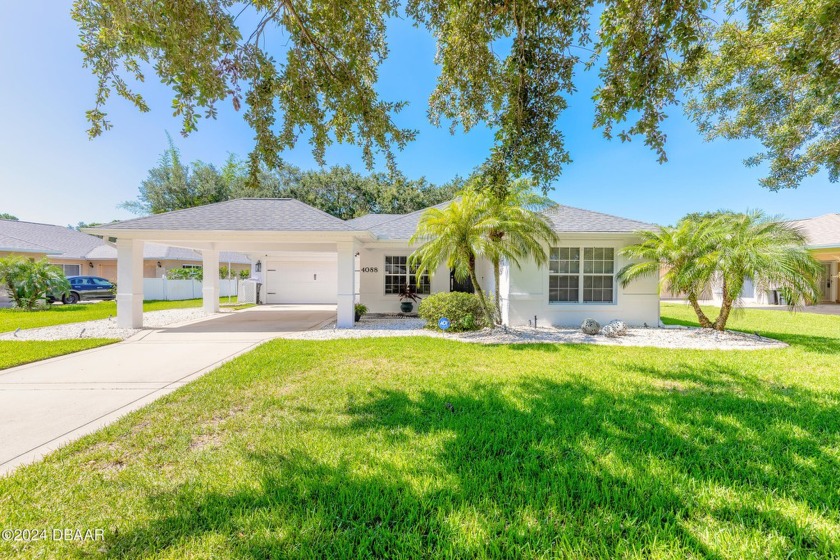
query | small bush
[28, 282]
[463, 311]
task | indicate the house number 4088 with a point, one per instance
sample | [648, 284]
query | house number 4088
[370, 269]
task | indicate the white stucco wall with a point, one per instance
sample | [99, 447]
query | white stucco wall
[527, 293]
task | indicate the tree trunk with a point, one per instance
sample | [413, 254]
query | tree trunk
[725, 309]
[480, 293]
[701, 317]
[496, 278]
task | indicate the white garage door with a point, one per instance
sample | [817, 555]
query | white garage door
[301, 282]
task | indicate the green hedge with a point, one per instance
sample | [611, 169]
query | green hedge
[463, 311]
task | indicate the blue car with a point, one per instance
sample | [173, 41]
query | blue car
[86, 288]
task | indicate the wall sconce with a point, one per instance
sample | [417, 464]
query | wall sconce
[159, 265]
[357, 254]
[258, 266]
[90, 264]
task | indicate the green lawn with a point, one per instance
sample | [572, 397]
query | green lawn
[429, 447]
[19, 352]
[59, 314]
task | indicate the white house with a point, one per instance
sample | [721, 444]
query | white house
[303, 255]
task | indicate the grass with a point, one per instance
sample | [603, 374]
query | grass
[19, 352]
[379, 448]
[11, 319]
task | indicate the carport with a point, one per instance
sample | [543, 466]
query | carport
[274, 230]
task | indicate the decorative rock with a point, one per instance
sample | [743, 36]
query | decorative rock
[590, 326]
[614, 329]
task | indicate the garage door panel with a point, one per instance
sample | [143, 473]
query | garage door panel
[301, 282]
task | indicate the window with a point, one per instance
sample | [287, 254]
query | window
[594, 282]
[564, 274]
[598, 274]
[397, 273]
[71, 269]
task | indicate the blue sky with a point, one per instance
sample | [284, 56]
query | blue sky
[50, 171]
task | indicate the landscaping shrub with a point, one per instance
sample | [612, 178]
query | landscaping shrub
[463, 311]
[29, 282]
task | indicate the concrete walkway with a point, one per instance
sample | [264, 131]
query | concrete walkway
[47, 404]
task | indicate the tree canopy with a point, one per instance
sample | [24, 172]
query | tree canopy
[765, 69]
[7, 216]
[174, 185]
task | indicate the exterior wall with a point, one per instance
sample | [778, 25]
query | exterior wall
[527, 293]
[371, 286]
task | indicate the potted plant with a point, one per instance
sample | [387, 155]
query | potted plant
[408, 297]
[360, 310]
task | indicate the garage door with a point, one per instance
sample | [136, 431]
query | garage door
[301, 282]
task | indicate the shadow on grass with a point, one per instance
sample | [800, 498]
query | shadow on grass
[538, 468]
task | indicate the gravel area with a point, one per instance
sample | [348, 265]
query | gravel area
[105, 328]
[670, 337]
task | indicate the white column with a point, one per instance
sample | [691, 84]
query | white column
[345, 313]
[210, 284]
[129, 283]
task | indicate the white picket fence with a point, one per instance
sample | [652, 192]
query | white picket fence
[163, 288]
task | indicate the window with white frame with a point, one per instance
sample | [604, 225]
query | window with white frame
[71, 269]
[591, 282]
[398, 272]
[598, 274]
[564, 274]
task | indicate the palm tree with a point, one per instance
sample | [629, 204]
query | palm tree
[516, 230]
[456, 235]
[726, 247]
[684, 252]
[767, 250]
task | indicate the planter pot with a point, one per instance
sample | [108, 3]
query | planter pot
[358, 317]
[406, 306]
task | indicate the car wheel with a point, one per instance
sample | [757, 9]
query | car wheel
[71, 298]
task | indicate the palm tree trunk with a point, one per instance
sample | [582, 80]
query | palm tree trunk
[725, 309]
[488, 315]
[701, 317]
[497, 274]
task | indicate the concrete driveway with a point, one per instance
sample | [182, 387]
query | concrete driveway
[50, 403]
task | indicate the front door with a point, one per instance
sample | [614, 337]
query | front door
[826, 282]
[457, 286]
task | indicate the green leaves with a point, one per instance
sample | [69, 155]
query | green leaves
[29, 282]
[758, 69]
[725, 249]
[775, 76]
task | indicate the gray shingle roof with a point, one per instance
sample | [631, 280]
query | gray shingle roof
[567, 219]
[241, 214]
[821, 231]
[63, 242]
[15, 245]
[401, 226]
[369, 220]
[563, 219]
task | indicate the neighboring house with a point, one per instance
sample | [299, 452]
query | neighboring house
[823, 241]
[823, 235]
[79, 253]
[303, 255]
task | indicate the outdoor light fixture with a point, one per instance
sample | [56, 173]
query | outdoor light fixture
[159, 265]
[90, 264]
[258, 266]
